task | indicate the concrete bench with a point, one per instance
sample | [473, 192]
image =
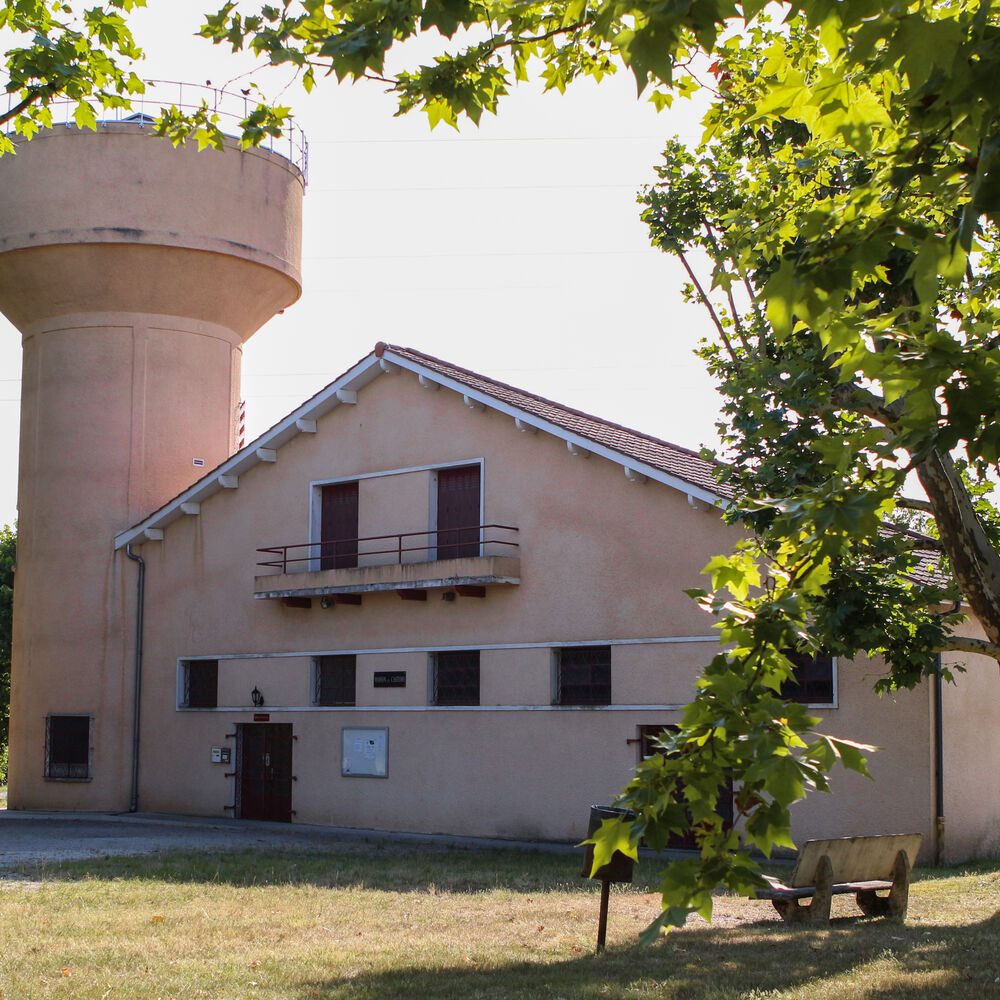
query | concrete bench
[864, 866]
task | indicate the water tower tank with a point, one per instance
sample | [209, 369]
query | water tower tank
[135, 272]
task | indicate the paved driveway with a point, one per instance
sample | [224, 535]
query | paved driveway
[28, 838]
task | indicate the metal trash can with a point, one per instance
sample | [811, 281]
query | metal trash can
[620, 867]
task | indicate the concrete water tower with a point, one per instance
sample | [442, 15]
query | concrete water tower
[135, 272]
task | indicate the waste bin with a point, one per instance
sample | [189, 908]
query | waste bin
[619, 868]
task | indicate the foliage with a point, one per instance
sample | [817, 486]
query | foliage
[85, 61]
[83, 58]
[8, 557]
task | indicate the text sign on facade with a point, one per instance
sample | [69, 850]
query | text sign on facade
[365, 753]
[390, 678]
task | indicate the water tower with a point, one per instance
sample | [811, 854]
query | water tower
[135, 272]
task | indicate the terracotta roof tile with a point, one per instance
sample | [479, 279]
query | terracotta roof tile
[670, 458]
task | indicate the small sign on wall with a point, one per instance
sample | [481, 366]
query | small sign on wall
[390, 678]
[222, 755]
[365, 753]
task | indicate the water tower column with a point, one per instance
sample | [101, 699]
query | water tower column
[135, 272]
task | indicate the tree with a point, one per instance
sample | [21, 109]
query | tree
[8, 556]
[846, 200]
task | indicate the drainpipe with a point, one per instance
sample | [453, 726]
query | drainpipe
[939, 752]
[938, 767]
[139, 609]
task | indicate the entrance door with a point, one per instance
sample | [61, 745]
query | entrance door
[458, 512]
[264, 772]
[339, 526]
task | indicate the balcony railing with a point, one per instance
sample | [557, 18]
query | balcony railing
[402, 547]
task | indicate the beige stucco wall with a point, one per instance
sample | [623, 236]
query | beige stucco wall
[971, 742]
[602, 560]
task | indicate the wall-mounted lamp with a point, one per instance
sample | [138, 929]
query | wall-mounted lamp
[326, 602]
[448, 595]
[257, 698]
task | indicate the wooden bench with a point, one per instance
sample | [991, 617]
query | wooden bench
[862, 865]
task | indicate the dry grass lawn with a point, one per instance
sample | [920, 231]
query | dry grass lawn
[368, 922]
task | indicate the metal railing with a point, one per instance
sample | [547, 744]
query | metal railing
[231, 107]
[346, 553]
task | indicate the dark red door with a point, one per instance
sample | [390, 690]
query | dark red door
[339, 526]
[458, 512]
[264, 772]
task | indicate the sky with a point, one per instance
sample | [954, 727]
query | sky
[514, 249]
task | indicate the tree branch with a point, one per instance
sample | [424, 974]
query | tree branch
[707, 302]
[966, 644]
[921, 505]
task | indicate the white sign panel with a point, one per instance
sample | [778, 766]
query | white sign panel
[365, 753]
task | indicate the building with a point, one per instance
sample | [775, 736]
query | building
[423, 601]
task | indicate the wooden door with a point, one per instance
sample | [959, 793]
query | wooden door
[458, 512]
[339, 526]
[264, 771]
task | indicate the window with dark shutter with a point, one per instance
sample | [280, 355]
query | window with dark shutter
[201, 684]
[813, 682]
[339, 526]
[583, 675]
[456, 678]
[458, 498]
[336, 680]
[67, 747]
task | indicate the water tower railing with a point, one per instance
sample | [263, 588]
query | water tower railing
[230, 106]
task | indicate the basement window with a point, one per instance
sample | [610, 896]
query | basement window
[814, 682]
[456, 677]
[200, 680]
[335, 680]
[67, 748]
[582, 675]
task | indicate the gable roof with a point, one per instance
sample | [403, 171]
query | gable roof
[640, 455]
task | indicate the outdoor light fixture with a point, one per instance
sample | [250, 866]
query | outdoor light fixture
[257, 698]
[326, 602]
[448, 595]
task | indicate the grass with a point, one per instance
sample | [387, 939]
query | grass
[367, 922]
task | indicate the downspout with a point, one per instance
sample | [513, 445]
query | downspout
[938, 767]
[939, 828]
[139, 609]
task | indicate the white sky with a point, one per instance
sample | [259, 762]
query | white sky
[514, 249]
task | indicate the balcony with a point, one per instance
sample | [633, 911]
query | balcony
[464, 560]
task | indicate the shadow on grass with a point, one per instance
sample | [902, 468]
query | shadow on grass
[855, 958]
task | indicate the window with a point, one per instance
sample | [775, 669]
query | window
[583, 675]
[456, 678]
[813, 683]
[334, 680]
[201, 684]
[458, 500]
[339, 526]
[67, 747]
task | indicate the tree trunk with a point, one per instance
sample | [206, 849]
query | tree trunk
[975, 564]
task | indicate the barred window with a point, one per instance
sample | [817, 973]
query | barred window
[67, 747]
[335, 680]
[583, 675]
[456, 678]
[201, 684]
[813, 682]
